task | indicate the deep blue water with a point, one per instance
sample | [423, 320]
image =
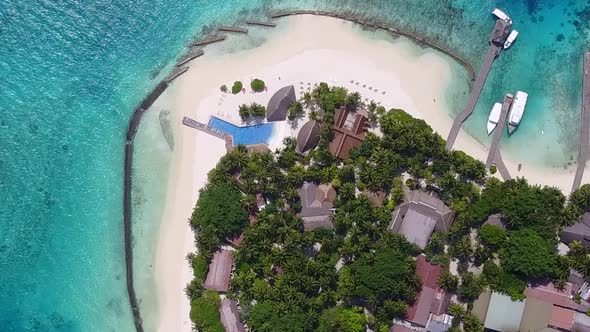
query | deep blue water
[72, 72]
[245, 135]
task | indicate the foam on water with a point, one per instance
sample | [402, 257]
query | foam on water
[72, 72]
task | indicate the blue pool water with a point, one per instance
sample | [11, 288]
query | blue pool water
[73, 71]
[245, 135]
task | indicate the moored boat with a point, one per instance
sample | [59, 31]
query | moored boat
[510, 39]
[517, 110]
[501, 15]
[494, 117]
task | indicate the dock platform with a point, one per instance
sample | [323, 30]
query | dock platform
[585, 133]
[261, 23]
[210, 40]
[494, 155]
[226, 28]
[497, 38]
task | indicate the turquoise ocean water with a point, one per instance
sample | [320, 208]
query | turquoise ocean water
[72, 72]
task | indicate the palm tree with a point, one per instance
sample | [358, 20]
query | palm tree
[248, 203]
[448, 282]
[308, 100]
[462, 249]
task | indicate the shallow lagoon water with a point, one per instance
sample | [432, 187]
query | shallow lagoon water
[74, 70]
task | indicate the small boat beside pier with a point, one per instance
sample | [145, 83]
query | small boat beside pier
[511, 38]
[494, 117]
[501, 15]
[517, 110]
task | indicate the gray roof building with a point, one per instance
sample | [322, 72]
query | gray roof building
[230, 317]
[579, 231]
[316, 202]
[308, 136]
[278, 105]
[503, 313]
[219, 271]
[419, 215]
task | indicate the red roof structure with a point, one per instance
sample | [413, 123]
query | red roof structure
[431, 298]
[349, 132]
[230, 317]
[562, 318]
[548, 293]
[219, 271]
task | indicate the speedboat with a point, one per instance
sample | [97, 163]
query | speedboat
[517, 110]
[494, 117]
[501, 15]
[510, 39]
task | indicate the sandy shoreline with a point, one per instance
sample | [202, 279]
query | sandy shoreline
[413, 78]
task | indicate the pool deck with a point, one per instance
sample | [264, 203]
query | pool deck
[229, 140]
[585, 134]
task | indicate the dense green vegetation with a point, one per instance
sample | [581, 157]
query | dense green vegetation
[257, 85]
[237, 87]
[290, 280]
[252, 110]
[295, 110]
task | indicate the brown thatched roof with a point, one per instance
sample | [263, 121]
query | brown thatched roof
[308, 136]
[278, 105]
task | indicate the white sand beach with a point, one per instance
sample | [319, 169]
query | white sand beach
[308, 50]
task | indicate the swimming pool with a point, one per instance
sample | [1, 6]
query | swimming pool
[244, 135]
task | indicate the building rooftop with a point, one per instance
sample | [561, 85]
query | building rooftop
[308, 136]
[219, 271]
[230, 317]
[419, 216]
[430, 299]
[536, 315]
[349, 132]
[550, 294]
[279, 103]
[562, 318]
[579, 231]
[257, 148]
[503, 313]
[316, 202]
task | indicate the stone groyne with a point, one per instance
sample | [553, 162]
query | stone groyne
[127, 187]
[386, 27]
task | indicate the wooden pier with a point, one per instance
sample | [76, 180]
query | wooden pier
[499, 35]
[225, 28]
[261, 23]
[190, 56]
[494, 155]
[585, 134]
[210, 40]
[229, 139]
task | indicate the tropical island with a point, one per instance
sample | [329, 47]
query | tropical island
[366, 221]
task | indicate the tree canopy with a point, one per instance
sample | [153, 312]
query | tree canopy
[529, 255]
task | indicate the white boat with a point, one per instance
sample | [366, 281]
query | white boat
[494, 117]
[501, 15]
[510, 39]
[517, 110]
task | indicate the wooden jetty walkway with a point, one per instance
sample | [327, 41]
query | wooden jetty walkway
[494, 155]
[229, 139]
[585, 134]
[497, 38]
[262, 23]
[226, 28]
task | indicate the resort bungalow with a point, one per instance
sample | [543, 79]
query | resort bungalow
[278, 105]
[219, 271]
[316, 204]
[308, 136]
[428, 312]
[419, 215]
[349, 132]
[579, 231]
[545, 308]
[230, 317]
